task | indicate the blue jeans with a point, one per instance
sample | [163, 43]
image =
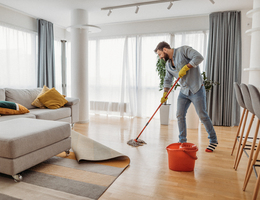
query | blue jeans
[199, 102]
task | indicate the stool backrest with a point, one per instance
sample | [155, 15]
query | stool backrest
[255, 96]
[247, 97]
[239, 95]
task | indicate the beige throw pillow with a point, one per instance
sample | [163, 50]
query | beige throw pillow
[37, 102]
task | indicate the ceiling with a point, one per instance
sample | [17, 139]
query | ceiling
[59, 11]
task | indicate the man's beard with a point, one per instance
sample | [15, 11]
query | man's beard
[166, 57]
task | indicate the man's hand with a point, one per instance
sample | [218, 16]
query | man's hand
[183, 71]
[163, 99]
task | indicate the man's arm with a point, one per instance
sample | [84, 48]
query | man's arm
[195, 57]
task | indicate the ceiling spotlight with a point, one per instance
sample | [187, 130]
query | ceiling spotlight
[170, 5]
[212, 1]
[137, 9]
[109, 12]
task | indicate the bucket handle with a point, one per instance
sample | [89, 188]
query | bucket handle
[195, 158]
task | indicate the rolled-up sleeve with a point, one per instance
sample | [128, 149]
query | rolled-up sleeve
[195, 57]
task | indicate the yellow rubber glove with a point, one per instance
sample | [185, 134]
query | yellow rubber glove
[163, 98]
[183, 71]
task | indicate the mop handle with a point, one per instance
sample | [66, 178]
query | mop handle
[157, 108]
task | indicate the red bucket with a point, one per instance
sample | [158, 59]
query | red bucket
[182, 156]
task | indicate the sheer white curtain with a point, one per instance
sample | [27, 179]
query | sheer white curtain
[197, 40]
[123, 79]
[17, 58]
[105, 75]
[122, 73]
[148, 94]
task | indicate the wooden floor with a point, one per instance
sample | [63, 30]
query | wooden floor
[148, 176]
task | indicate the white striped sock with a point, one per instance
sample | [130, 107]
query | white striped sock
[212, 146]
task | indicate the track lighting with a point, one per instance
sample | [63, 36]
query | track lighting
[137, 9]
[212, 1]
[141, 4]
[170, 5]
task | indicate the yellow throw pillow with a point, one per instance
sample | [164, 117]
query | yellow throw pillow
[52, 99]
[8, 111]
[36, 102]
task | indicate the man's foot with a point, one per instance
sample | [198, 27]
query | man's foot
[211, 147]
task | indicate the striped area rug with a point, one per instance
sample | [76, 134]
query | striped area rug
[64, 178]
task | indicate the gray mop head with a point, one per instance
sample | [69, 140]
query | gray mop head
[136, 143]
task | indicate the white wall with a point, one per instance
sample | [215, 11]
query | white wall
[246, 24]
[16, 19]
[26, 22]
[153, 26]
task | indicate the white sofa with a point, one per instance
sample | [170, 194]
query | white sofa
[69, 113]
[29, 139]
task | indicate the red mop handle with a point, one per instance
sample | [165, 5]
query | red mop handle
[157, 109]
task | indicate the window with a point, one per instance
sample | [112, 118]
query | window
[197, 40]
[105, 73]
[58, 70]
[122, 72]
[58, 66]
[122, 75]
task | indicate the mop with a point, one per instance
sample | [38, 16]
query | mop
[138, 142]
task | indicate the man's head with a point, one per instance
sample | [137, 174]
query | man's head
[162, 50]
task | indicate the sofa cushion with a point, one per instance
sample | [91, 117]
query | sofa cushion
[9, 117]
[37, 102]
[51, 114]
[52, 99]
[22, 96]
[19, 137]
[2, 94]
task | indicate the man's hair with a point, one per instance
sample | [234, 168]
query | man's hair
[162, 45]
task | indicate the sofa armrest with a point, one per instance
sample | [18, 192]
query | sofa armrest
[73, 103]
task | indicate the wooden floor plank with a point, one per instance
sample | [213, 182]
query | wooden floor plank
[148, 176]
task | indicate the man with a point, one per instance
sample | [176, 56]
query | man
[183, 62]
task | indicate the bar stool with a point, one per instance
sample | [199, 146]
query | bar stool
[249, 106]
[255, 96]
[241, 103]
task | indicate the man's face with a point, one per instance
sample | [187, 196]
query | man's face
[163, 55]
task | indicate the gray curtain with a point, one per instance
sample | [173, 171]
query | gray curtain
[223, 65]
[46, 62]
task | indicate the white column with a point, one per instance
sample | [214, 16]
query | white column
[254, 69]
[79, 62]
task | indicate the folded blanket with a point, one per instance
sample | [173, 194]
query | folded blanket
[9, 105]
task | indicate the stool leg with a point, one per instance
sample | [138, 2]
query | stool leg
[240, 123]
[256, 188]
[251, 166]
[244, 143]
[241, 138]
[252, 147]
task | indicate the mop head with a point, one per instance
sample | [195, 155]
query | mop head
[136, 143]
